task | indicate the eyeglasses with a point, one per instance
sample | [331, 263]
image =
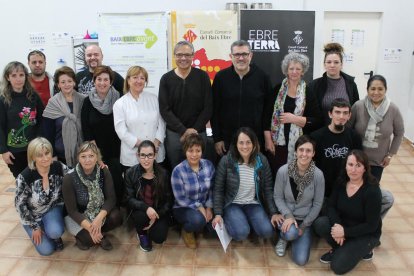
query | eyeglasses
[239, 55]
[150, 156]
[179, 55]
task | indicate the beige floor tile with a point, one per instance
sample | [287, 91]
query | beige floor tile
[403, 240]
[7, 264]
[117, 254]
[399, 225]
[408, 256]
[174, 271]
[99, 269]
[122, 235]
[298, 272]
[248, 257]
[249, 271]
[407, 210]
[394, 272]
[174, 237]
[17, 231]
[210, 271]
[10, 214]
[7, 227]
[14, 247]
[136, 256]
[30, 267]
[174, 255]
[386, 259]
[212, 256]
[397, 168]
[404, 177]
[71, 252]
[65, 268]
[7, 200]
[406, 160]
[134, 270]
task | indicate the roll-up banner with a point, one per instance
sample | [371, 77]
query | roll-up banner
[273, 34]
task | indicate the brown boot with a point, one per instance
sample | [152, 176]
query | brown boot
[189, 239]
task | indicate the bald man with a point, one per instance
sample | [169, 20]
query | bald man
[84, 79]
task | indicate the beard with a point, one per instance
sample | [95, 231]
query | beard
[339, 127]
[38, 74]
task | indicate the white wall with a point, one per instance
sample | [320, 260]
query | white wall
[18, 18]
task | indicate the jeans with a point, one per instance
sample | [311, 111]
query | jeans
[347, 256]
[300, 244]
[190, 219]
[239, 218]
[158, 231]
[52, 225]
[387, 200]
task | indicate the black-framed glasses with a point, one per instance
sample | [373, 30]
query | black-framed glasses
[143, 156]
[239, 55]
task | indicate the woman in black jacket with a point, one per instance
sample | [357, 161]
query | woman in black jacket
[148, 197]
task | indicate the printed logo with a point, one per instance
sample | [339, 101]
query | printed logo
[336, 152]
[190, 36]
[298, 38]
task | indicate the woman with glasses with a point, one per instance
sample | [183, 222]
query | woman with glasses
[334, 83]
[149, 197]
[137, 118]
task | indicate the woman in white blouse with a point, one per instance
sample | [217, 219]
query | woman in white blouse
[137, 118]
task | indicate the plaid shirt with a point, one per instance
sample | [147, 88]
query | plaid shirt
[193, 189]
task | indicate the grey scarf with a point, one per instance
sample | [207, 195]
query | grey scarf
[301, 181]
[71, 127]
[375, 116]
[104, 106]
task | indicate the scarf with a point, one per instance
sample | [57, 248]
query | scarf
[96, 196]
[71, 127]
[375, 116]
[104, 106]
[277, 128]
[301, 181]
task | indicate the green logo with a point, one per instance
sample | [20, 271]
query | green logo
[149, 38]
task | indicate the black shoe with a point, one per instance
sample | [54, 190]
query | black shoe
[80, 245]
[144, 243]
[58, 244]
[106, 244]
[369, 256]
[327, 257]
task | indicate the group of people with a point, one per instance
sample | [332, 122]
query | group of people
[291, 159]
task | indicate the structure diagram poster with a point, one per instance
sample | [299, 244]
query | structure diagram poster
[135, 39]
[276, 34]
[211, 33]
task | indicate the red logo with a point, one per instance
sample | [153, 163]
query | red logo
[190, 36]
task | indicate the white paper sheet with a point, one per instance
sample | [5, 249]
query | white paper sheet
[223, 235]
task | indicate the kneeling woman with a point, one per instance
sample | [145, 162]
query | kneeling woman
[192, 183]
[89, 196]
[299, 190]
[149, 197]
[244, 189]
[353, 225]
[39, 199]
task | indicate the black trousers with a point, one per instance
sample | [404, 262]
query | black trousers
[19, 163]
[158, 231]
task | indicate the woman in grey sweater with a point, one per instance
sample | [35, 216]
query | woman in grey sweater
[298, 194]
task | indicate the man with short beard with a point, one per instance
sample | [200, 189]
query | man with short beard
[333, 142]
[40, 80]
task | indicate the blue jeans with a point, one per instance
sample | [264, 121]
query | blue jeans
[239, 218]
[190, 219]
[52, 225]
[300, 244]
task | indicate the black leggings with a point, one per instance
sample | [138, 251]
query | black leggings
[158, 231]
[113, 220]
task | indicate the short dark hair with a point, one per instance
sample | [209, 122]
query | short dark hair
[64, 70]
[378, 78]
[340, 102]
[240, 43]
[191, 140]
[303, 140]
[36, 52]
[101, 69]
[253, 137]
[183, 43]
[362, 158]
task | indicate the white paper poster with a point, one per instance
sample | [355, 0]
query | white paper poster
[135, 39]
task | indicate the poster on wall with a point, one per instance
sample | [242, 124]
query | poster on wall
[135, 39]
[210, 32]
[276, 34]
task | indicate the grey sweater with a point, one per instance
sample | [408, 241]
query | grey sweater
[308, 208]
[392, 124]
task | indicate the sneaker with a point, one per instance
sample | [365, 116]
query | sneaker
[80, 245]
[280, 247]
[189, 239]
[144, 243]
[106, 244]
[369, 256]
[58, 244]
[327, 257]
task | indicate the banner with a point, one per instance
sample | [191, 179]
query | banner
[210, 32]
[135, 39]
[276, 34]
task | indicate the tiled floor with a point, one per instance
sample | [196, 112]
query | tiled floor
[394, 257]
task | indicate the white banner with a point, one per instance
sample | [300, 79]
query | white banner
[135, 39]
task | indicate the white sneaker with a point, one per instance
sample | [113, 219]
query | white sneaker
[280, 247]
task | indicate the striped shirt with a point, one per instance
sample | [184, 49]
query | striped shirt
[247, 190]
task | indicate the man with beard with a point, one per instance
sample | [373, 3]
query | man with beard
[333, 142]
[93, 59]
[40, 80]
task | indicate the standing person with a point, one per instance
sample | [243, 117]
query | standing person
[97, 120]
[20, 116]
[93, 59]
[192, 185]
[61, 118]
[185, 102]
[243, 189]
[291, 112]
[39, 199]
[298, 194]
[41, 80]
[89, 197]
[239, 95]
[353, 224]
[334, 83]
[149, 197]
[137, 118]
